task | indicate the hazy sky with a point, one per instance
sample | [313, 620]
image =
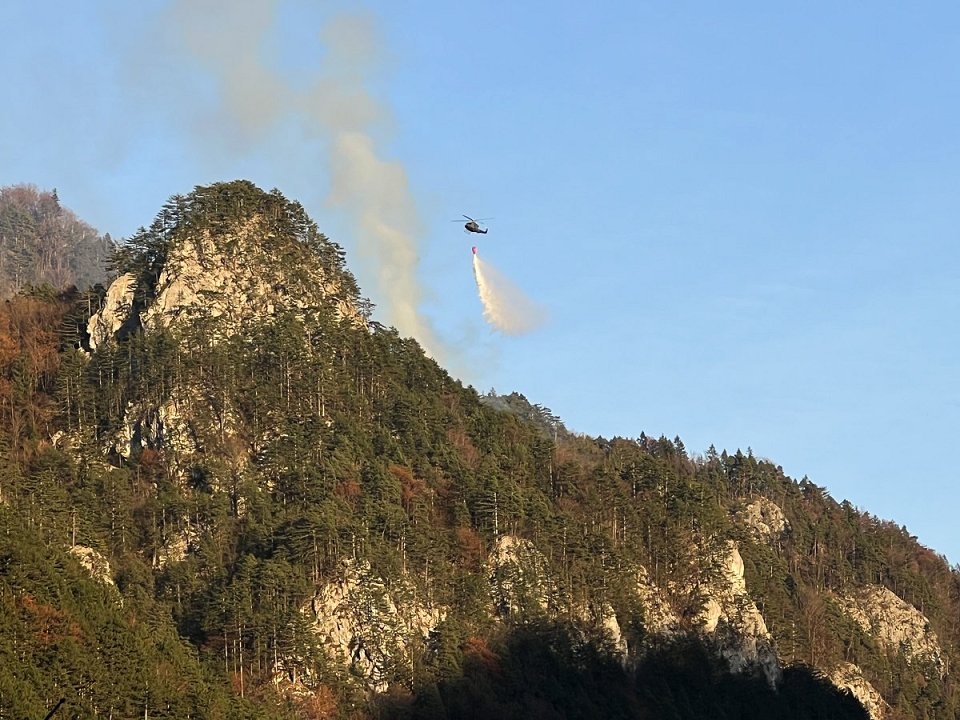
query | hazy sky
[741, 218]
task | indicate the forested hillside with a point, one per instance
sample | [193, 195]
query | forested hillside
[44, 243]
[288, 510]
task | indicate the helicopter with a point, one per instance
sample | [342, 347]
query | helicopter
[473, 226]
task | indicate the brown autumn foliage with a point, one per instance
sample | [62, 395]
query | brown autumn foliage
[471, 547]
[29, 360]
[411, 487]
[349, 488]
[460, 440]
[478, 650]
[50, 624]
[321, 705]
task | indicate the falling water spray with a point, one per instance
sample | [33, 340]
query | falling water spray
[504, 305]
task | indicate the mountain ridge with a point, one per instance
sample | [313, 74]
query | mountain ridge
[295, 487]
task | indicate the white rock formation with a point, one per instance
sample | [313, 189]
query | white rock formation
[233, 280]
[95, 563]
[610, 627]
[765, 519]
[896, 624]
[735, 624]
[373, 629]
[117, 307]
[659, 619]
[519, 579]
[202, 279]
[849, 677]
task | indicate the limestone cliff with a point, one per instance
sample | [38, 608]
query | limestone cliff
[237, 271]
[765, 519]
[371, 626]
[519, 580]
[895, 624]
[731, 618]
[93, 562]
[849, 677]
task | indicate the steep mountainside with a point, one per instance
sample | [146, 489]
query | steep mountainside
[315, 520]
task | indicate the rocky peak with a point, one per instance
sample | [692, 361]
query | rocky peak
[229, 254]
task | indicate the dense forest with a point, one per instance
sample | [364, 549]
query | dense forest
[224, 478]
[44, 243]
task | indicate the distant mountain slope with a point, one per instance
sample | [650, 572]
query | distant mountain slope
[43, 243]
[338, 528]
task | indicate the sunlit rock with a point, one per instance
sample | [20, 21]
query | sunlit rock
[371, 626]
[732, 621]
[765, 519]
[94, 563]
[519, 578]
[849, 677]
[896, 624]
[116, 309]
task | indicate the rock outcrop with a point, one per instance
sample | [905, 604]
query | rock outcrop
[732, 620]
[94, 563]
[116, 309]
[372, 627]
[659, 619]
[229, 278]
[520, 583]
[848, 676]
[765, 519]
[895, 624]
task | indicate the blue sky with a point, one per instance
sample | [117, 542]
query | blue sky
[741, 219]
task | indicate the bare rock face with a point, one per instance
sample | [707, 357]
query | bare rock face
[95, 563]
[849, 677]
[611, 629]
[659, 619]
[371, 627]
[233, 281]
[765, 519]
[230, 279]
[732, 620]
[117, 307]
[519, 579]
[896, 624]
[520, 583]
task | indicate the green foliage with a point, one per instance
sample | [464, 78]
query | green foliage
[66, 635]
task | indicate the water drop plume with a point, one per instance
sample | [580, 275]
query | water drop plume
[505, 306]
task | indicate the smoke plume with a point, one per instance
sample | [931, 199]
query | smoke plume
[504, 304]
[253, 105]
